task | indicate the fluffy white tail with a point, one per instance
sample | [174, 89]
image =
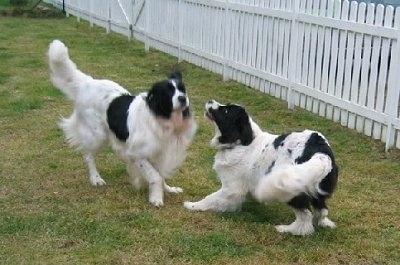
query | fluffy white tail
[289, 181]
[64, 73]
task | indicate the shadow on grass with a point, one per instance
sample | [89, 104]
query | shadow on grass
[255, 212]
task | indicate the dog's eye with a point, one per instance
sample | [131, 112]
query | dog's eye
[171, 88]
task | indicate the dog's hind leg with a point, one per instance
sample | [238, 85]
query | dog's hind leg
[321, 213]
[327, 185]
[155, 180]
[94, 176]
[88, 137]
[219, 201]
[135, 176]
[303, 225]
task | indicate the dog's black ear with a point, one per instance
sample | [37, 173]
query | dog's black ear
[243, 125]
[175, 75]
[246, 135]
[158, 100]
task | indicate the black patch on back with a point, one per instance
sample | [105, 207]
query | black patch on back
[117, 115]
[317, 144]
[279, 140]
[314, 144]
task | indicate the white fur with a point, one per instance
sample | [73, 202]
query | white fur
[241, 170]
[155, 147]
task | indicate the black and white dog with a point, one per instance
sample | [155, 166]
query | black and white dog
[150, 131]
[297, 168]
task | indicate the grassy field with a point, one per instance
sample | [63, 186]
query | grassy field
[50, 214]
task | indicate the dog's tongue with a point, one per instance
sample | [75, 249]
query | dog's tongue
[177, 118]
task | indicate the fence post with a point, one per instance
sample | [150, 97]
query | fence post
[108, 28]
[65, 9]
[147, 26]
[131, 26]
[292, 52]
[226, 41]
[180, 30]
[91, 13]
[392, 100]
[78, 16]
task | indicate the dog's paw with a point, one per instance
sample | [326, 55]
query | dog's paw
[190, 206]
[326, 222]
[173, 189]
[97, 181]
[157, 202]
[302, 230]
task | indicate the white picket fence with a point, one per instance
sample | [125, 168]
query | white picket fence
[337, 58]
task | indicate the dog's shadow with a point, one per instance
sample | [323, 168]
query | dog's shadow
[255, 212]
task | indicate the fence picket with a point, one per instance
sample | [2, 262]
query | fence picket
[348, 63]
[334, 58]
[379, 130]
[346, 48]
[355, 82]
[394, 84]
[363, 124]
[384, 72]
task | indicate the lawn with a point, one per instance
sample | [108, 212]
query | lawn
[50, 214]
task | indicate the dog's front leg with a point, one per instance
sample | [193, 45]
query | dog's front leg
[156, 182]
[170, 189]
[219, 201]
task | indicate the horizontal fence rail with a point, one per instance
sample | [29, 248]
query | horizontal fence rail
[336, 58]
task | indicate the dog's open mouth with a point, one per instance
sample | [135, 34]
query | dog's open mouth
[209, 116]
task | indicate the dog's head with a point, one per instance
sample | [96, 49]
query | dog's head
[232, 124]
[168, 97]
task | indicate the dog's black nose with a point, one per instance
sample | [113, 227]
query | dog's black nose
[182, 100]
[210, 101]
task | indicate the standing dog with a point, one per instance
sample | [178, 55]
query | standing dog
[150, 131]
[297, 168]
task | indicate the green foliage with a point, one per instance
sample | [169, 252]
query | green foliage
[18, 2]
[4, 2]
[51, 215]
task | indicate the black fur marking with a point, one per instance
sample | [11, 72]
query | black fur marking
[279, 140]
[319, 203]
[290, 151]
[159, 98]
[233, 123]
[186, 113]
[117, 115]
[314, 144]
[175, 75]
[317, 144]
[270, 168]
[328, 184]
[301, 202]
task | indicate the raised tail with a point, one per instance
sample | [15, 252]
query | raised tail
[64, 73]
[287, 182]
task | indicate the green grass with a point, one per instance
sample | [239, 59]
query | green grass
[51, 215]
[4, 2]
